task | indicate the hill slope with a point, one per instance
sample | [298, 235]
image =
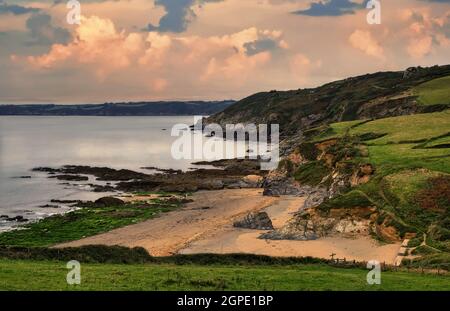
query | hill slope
[378, 95]
[370, 153]
[389, 178]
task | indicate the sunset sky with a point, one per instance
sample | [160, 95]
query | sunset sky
[129, 50]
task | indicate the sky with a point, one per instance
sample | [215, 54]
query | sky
[137, 50]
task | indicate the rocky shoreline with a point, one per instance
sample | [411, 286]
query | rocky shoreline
[222, 174]
[225, 174]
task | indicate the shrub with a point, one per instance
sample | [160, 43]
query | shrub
[350, 199]
[312, 173]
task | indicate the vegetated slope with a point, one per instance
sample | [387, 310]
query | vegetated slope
[434, 92]
[390, 177]
[119, 109]
[378, 95]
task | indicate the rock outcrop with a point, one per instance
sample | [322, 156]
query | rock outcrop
[108, 201]
[259, 220]
[310, 225]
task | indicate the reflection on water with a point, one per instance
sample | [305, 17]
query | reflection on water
[118, 142]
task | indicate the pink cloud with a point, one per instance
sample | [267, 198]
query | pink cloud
[364, 41]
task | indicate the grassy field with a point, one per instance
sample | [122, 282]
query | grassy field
[434, 92]
[405, 141]
[86, 221]
[413, 128]
[48, 275]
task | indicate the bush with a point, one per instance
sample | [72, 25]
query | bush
[436, 261]
[308, 151]
[414, 242]
[138, 255]
[312, 173]
[89, 254]
[424, 250]
[350, 199]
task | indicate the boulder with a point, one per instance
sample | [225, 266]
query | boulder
[109, 201]
[254, 181]
[259, 220]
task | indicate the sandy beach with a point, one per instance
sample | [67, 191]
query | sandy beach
[167, 234]
[206, 226]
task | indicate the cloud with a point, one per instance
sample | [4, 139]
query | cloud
[420, 47]
[363, 40]
[258, 46]
[43, 32]
[99, 47]
[97, 44]
[425, 31]
[301, 67]
[178, 14]
[15, 9]
[269, 42]
[331, 8]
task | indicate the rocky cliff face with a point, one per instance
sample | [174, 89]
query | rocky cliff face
[320, 172]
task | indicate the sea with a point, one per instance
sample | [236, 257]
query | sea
[27, 142]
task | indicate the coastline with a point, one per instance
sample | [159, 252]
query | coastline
[206, 226]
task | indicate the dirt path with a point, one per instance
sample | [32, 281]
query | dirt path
[175, 230]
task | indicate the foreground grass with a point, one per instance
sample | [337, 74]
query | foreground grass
[48, 275]
[84, 222]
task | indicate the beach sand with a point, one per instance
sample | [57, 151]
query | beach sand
[167, 234]
[206, 226]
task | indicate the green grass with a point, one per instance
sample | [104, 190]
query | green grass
[434, 92]
[406, 184]
[48, 275]
[338, 130]
[412, 128]
[311, 173]
[393, 158]
[81, 223]
[351, 199]
[406, 141]
[441, 141]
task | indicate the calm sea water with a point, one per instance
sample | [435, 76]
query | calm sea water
[117, 142]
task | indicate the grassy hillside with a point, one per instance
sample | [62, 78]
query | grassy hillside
[378, 95]
[409, 184]
[434, 92]
[404, 142]
[47, 275]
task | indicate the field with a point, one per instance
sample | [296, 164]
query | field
[434, 92]
[51, 275]
[406, 142]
